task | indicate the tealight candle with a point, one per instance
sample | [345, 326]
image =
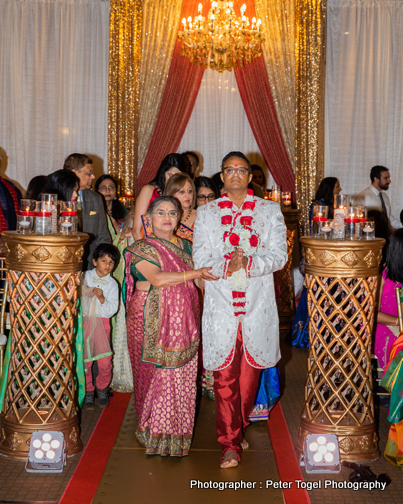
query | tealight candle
[318, 218]
[286, 197]
[25, 223]
[326, 231]
[368, 231]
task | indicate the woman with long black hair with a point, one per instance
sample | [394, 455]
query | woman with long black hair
[171, 164]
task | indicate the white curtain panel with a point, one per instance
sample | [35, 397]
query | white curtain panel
[364, 92]
[218, 124]
[54, 84]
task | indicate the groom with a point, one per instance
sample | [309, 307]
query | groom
[243, 239]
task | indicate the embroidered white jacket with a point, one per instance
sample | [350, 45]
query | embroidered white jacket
[260, 326]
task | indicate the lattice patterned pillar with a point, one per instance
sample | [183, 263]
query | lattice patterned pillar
[342, 279]
[40, 395]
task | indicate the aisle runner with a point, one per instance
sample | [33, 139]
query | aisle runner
[286, 458]
[86, 477]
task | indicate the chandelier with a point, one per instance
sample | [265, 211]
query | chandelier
[223, 39]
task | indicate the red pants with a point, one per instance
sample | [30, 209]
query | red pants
[104, 375]
[235, 390]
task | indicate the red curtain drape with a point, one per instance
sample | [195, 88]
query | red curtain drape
[254, 88]
[183, 83]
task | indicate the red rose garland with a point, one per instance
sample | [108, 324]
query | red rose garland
[238, 232]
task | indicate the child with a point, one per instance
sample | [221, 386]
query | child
[100, 301]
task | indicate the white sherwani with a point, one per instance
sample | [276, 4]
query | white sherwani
[260, 328]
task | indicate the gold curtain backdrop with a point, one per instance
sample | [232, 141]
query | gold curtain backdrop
[310, 16]
[142, 39]
[123, 91]
[279, 57]
[160, 30]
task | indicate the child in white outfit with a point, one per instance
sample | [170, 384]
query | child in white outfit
[100, 301]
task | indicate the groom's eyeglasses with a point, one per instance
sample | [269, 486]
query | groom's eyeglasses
[209, 197]
[162, 213]
[241, 171]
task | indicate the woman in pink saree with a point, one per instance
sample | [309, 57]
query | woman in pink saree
[163, 333]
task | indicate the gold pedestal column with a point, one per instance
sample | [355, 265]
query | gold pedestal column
[40, 395]
[342, 279]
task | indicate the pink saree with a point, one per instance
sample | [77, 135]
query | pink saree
[163, 338]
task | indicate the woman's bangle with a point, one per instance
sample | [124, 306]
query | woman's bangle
[184, 278]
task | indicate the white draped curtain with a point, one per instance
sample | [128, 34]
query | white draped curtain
[54, 84]
[218, 124]
[364, 93]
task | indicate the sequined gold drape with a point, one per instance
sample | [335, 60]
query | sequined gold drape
[160, 31]
[123, 91]
[279, 57]
[309, 96]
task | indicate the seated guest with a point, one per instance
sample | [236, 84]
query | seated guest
[206, 190]
[107, 186]
[181, 187]
[63, 183]
[35, 187]
[91, 213]
[328, 188]
[374, 197]
[387, 326]
[171, 164]
[10, 198]
[192, 160]
[163, 349]
[324, 196]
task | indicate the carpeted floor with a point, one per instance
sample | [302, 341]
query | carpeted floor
[132, 477]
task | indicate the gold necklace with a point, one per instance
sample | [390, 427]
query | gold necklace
[174, 240]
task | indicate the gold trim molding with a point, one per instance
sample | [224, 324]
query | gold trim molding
[44, 254]
[344, 258]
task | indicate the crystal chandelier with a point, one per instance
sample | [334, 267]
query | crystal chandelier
[223, 39]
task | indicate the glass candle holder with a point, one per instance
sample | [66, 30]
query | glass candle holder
[276, 193]
[368, 231]
[25, 223]
[50, 205]
[341, 202]
[286, 198]
[338, 229]
[351, 221]
[28, 207]
[267, 194]
[326, 230]
[68, 224]
[319, 215]
[361, 212]
[43, 222]
[68, 207]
